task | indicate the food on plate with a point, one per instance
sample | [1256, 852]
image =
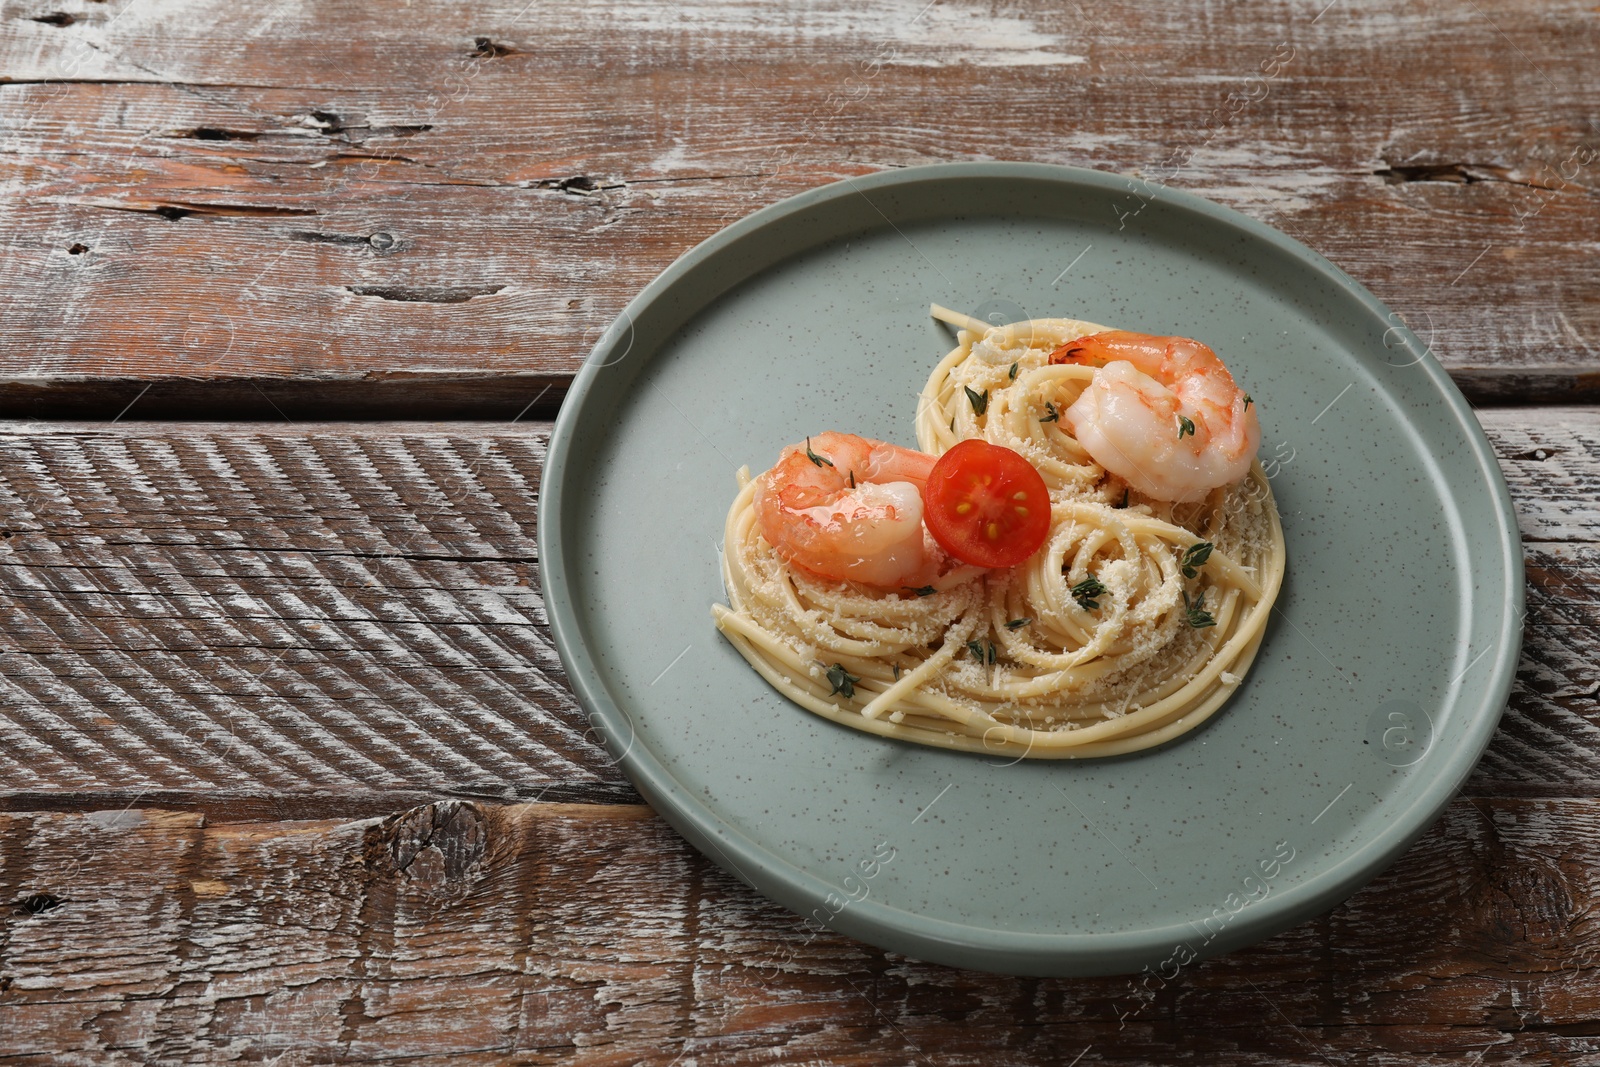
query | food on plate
[1147, 387]
[847, 507]
[987, 505]
[1079, 560]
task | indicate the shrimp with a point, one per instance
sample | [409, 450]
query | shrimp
[848, 508]
[1162, 413]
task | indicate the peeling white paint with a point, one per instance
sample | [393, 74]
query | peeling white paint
[1280, 178]
[126, 819]
[673, 159]
[916, 33]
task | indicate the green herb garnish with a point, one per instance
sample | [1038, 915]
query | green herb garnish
[982, 651]
[980, 401]
[1247, 402]
[843, 682]
[921, 590]
[1017, 624]
[1088, 592]
[1013, 374]
[897, 672]
[821, 461]
[1185, 426]
[1054, 414]
[1194, 557]
[1199, 618]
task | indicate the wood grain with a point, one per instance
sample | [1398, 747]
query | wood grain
[268, 611]
[1551, 458]
[342, 618]
[591, 934]
[260, 209]
[274, 699]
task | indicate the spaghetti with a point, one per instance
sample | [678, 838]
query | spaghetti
[1133, 624]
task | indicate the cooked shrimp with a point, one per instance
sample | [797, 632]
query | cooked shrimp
[1162, 413]
[848, 507]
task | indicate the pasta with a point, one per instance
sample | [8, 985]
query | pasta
[1133, 623]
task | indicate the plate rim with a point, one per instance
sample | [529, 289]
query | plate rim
[941, 940]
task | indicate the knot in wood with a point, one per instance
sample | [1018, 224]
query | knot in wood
[484, 48]
[1534, 905]
[440, 844]
[38, 903]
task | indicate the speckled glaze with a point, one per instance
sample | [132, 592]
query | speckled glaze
[1382, 676]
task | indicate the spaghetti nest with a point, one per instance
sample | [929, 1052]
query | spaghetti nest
[1134, 622]
[999, 387]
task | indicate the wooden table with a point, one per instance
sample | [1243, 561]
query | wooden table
[288, 768]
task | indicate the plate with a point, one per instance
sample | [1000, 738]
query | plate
[1381, 678]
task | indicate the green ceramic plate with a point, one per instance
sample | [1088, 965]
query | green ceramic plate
[1380, 681]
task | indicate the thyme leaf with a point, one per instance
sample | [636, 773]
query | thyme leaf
[1088, 592]
[1194, 557]
[1013, 374]
[1185, 426]
[980, 401]
[982, 651]
[1195, 610]
[843, 682]
[1247, 401]
[1054, 414]
[921, 590]
[1017, 624]
[821, 461]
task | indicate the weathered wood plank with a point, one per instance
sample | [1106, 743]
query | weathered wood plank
[411, 208]
[296, 620]
[591, 934]
[1551, 460]
[263, 612]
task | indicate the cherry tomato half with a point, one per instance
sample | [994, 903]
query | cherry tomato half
[986, 505]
